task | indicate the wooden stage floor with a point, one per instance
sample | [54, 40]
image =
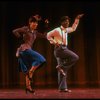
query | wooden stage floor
[77, 93]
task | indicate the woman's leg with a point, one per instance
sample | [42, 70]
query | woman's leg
[29, 76]
[28, 84]
[31, 71]
[34, 59]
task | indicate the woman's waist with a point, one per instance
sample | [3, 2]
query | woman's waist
[25, 46]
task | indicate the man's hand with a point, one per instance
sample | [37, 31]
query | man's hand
[56, 44]
[79, 16]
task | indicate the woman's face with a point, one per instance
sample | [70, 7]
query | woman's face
[33, 25]
[65, 23]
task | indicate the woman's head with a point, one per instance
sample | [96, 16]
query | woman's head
[33, 21]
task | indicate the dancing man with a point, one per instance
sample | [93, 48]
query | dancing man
[65, 57]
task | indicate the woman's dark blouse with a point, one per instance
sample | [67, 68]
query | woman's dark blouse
[28, 37]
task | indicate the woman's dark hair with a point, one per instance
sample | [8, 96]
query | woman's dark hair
[35, 18]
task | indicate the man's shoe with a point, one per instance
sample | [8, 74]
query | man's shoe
[61, 71]
[65, 90]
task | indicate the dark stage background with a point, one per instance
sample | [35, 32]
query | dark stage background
[85, 41]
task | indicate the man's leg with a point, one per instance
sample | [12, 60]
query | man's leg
[62, 82]
[58, 67]
[70, 58]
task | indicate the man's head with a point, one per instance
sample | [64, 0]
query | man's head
[65, 21]
[33, 21]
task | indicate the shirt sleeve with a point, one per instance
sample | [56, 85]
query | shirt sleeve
[50, 36]
[74, 26]
[17, 32]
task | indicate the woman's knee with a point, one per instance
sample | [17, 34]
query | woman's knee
[43, 60]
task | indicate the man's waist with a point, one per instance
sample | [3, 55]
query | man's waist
[59, 45]
[62, 44]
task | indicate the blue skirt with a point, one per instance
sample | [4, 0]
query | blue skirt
[29, 58]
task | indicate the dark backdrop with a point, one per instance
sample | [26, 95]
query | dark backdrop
[85, 41]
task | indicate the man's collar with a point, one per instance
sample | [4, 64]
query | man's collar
[62, 27]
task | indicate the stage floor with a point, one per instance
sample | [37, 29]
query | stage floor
[77, 93]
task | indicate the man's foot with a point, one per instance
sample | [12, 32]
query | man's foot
[65, 90]
[61, 71]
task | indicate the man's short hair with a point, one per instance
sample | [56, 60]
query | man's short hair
[64, 18]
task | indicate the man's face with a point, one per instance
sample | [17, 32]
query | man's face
[65, 23]
[33, 25]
